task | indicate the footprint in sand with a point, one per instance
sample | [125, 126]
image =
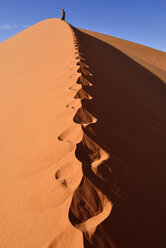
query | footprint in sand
[89, 227]
[69, 176]
[75, 87]
[73, 134]
[83, 117]
[82, 94]
[74, 105]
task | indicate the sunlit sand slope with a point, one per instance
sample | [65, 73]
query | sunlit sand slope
[38, 171]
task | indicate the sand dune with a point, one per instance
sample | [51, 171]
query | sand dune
[128, 102]
[136, 51]
[38, 67]
[82, 138]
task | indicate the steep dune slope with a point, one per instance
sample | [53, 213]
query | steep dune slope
[82, 140]
[38, 67]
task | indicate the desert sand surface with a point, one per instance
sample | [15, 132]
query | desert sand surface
[82, 140]
[144, 55]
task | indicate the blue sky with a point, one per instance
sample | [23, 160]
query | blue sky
[142, 21]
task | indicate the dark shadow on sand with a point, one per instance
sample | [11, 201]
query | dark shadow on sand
[129, 103]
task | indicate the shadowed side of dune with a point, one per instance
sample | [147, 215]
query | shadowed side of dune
[146, 56]
[122, 153]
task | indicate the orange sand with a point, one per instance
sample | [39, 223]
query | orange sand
[82, 140]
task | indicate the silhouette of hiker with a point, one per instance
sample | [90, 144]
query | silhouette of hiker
[63, 15]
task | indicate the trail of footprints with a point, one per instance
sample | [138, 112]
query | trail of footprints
[89, 206]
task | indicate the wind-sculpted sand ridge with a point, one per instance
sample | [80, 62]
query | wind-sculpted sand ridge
[89, 206]
[92, 206]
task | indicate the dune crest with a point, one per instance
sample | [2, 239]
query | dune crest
[84, 118]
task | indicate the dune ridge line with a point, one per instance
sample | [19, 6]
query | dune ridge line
[95, 155]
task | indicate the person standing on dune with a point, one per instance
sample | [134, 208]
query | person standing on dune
[63, 15]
